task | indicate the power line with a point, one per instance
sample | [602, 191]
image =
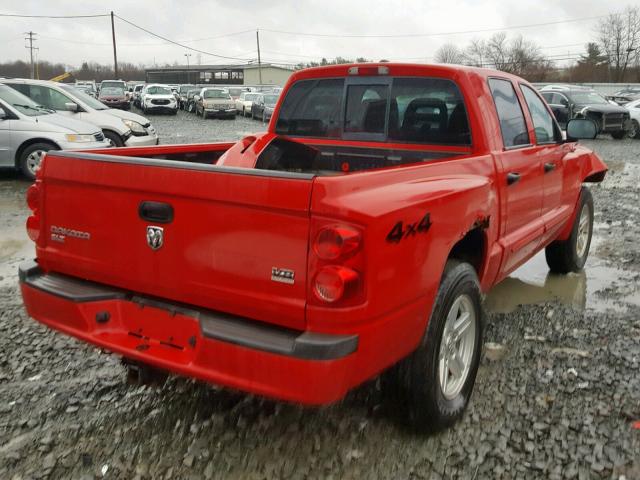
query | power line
[52, 16]
[441, 34]
[136, 44]
[176, 43]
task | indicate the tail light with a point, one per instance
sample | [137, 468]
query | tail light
[332, 282]
[335, 242]
[336, 264]
[33, 202]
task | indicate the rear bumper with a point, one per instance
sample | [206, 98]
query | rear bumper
[306, 367]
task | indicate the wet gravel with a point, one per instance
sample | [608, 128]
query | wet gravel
[557, 395]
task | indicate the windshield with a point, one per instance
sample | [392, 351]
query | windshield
[588, 97]
[21, 102]
[116, 91]
[83, 97]
[159, 91]
[216, 94]
[270, 99]
[185, 88]
[250, 97]
[112, 84]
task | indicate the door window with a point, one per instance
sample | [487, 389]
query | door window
[545, 127]
[512, 124]
[48, 97]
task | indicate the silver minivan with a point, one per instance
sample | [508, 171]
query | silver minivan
[28, 131]
[120, 127]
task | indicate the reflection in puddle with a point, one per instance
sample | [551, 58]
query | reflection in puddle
[532, 283]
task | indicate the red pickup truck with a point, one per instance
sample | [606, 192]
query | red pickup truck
[355, 236]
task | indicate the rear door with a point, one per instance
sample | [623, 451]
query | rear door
[197, 234]
[520, 179]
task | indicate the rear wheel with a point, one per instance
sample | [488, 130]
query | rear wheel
[619, 135]
[635, 130]
[570, 255]
[435, 382]
[31, 158]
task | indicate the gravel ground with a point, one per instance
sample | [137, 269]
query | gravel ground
[557, 393]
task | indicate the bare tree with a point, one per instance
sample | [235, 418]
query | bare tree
[449, 53]
[619, 38]
[519, 56]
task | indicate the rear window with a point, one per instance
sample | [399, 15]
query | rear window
[312, 109]
[410, 110]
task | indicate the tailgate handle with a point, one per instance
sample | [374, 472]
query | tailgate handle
[157, 212]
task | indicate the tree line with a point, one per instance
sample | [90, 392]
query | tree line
[612, 56]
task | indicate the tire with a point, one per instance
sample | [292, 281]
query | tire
[619, 135]
[429, 403]
[570, 255]
[635, 130]
[30, 158]
[113, 138]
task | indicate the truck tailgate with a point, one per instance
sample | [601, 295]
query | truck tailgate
[223, 231]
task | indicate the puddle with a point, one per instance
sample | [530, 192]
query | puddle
[15, 246]
[627, 177]
[532, 283]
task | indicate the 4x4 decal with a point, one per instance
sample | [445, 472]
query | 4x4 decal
[401, 231]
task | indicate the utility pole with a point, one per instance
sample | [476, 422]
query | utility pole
[188, 68]
[31, 48]
[115, 54]
[259, 63]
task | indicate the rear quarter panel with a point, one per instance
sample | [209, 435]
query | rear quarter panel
[405, 275]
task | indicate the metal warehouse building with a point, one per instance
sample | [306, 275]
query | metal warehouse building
[249, 74]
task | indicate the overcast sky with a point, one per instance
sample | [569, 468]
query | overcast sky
[73, 41]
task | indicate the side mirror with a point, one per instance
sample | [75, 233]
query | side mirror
[71, 107]
[581, 128]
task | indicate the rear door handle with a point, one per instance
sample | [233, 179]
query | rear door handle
[512, 177]
[549, 167]
[156, 212]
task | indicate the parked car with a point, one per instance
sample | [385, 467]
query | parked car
[244, 101]
[215, 102]
[119, 127]
[191, 100]
[182, 95]
[137, 90]
[568, 102]
[342, 243]
[114, 97]
[625, 95]
[113, 83]
[85, 89]
[262, 107]
[235, 92]
[89, 87]
[158, 98]
[28, 131]
[634, 111]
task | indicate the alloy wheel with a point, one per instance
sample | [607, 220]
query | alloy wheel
[457, 345]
